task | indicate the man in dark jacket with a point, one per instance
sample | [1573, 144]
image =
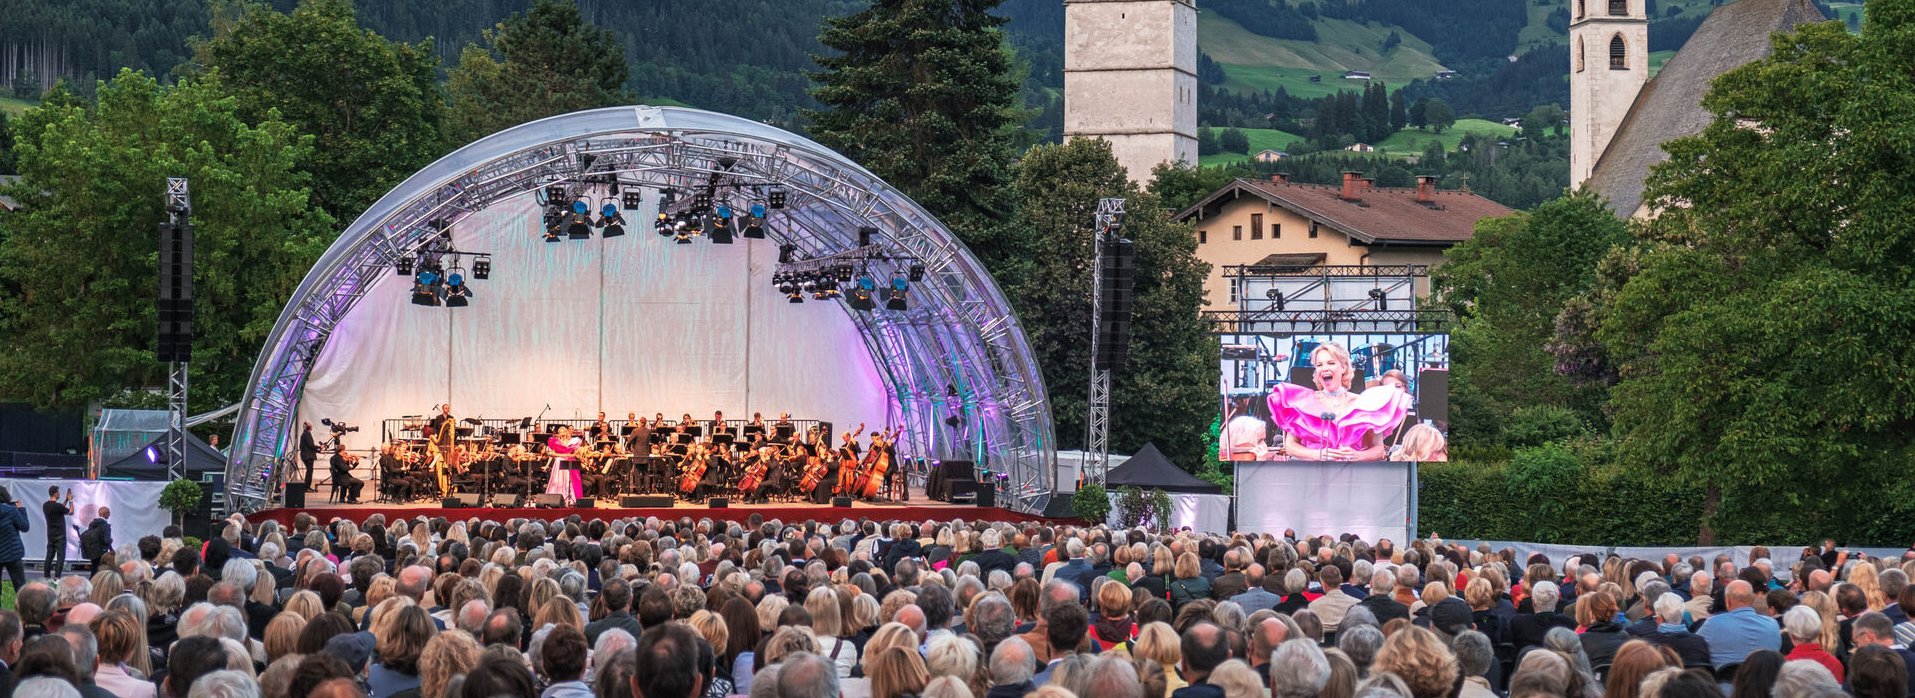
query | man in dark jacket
[1012, 665]
[1381, 601]
[1672, 633]
[13, 553]
[97, 541]
[1204, 648]
[993, 557]
[1232, 581]
[617, 595]
[1255, 598]
[1528, 629]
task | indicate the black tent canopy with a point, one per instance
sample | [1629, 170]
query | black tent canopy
[139, 465]
[1149, 469]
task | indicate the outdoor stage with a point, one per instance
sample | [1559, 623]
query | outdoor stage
[919, 508]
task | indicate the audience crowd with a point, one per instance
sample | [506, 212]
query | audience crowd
[767, 609]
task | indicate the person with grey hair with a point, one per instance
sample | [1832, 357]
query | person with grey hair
[1566, 641]
[1805, 680]
[224, 684]
[1542, 674]
[45, 687]
[1528, 629]
[1012, 665]
[1294, 583]
[991, 619]
[1473, 658]
[1804, 625]
[73, 590]
[806, 675]
[764, 682]
[1382, 603]
[1105, 676]
[207, 620]
[1298, 669]
[1674, 634]
[1361, 644]
[86, 655]
[471, 616]
[1701, 603]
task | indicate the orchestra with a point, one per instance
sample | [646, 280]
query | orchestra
[755, 460]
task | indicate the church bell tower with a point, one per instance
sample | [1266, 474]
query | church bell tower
[1130, 77]
[1608, 65]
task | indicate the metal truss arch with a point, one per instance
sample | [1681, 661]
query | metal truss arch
[961, 376]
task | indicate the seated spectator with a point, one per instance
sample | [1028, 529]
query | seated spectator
[1804, 628]
[1673, 634]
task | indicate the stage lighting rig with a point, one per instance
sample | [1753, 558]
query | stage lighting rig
[554, 222]
[402, 266]
[776, 197]
[426, 287]
[457, 294]
[630, 200]
[482, 267]
[863, 294]
[721, 225]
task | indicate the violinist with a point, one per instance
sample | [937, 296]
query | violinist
[600, 430]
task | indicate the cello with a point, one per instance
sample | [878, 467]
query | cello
[754, 476]
[877, 466]
[815, 470]
[695, 465]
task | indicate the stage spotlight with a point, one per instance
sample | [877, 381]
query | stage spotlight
[866, 236]
[456, 292]
[664, 225]
[630, 200]
[482, 268]
[917, 273]
[895, 297]
[610, 220]
[721, 226]
[701, 202]
[554, 193]
[579, 225]
[862, 294]
[755, 224]
[776, 197]
[1381, 298]
[791, 291]
[844, 273]
[787, 253]
[425, 289]
[554, 222]
[402, 266]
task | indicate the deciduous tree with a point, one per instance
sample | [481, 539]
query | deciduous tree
[78, 261]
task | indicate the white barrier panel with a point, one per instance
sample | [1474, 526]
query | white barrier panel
[1371, 500]
[135, 508]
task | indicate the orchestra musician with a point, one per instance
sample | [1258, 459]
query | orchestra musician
[564, 480]
[343, 464]
[395, 466]
[601, 430]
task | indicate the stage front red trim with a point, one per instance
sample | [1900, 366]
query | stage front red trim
[787, 514]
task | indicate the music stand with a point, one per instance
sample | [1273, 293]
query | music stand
[754, 429]
[784, 432]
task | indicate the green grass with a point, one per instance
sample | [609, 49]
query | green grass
[1410, 141]
[1255, 62]
[13, 105]
[1261, 139]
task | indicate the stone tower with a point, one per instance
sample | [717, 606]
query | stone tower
[1130, 77]
[1608, 65]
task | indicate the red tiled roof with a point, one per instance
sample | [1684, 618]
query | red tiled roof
[1378, 215]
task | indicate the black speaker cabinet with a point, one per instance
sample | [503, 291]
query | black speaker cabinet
[548, 501]
[507, 501]
[1433, 395]
[986, 495]
[719, 503]
[646, 501]
[585, 503]
[841, 502]
[295, 495]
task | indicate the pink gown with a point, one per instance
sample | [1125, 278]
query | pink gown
[1380, 409]
[564, 480]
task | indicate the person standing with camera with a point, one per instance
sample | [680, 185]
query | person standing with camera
[13, 553]
[56, 512]
[308, 452]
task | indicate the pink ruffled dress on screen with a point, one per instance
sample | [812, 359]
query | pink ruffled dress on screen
[1380, 409]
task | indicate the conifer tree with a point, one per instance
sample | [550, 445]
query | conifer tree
[545, 62]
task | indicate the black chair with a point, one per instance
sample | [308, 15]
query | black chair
[1726, 672]
[1602, 673]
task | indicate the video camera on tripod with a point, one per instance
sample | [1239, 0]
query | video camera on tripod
[338, 427]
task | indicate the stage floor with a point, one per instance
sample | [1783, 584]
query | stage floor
[918, 508]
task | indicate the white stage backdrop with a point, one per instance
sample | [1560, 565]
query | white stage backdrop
[1371, 500]
[630, 324]
[135, 507]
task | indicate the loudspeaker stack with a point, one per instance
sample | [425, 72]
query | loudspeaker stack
[175, 339]
[1118, 279]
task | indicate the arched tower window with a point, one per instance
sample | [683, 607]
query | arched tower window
[1579, 54]
[1579, 8]
[1618, 8]
[1618, 54]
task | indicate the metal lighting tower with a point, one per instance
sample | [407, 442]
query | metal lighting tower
[176, 317]
[1110, 217]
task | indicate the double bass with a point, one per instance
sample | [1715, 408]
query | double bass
[755, 472]
[815, 468]
[877, 466]
[848, 462]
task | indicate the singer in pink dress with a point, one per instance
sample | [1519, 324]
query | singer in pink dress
[565, 480]
[1331, 423]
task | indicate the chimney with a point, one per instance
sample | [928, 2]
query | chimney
[1368, 184]
[1350, 180]
[1279, 178]
[1426, 189]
